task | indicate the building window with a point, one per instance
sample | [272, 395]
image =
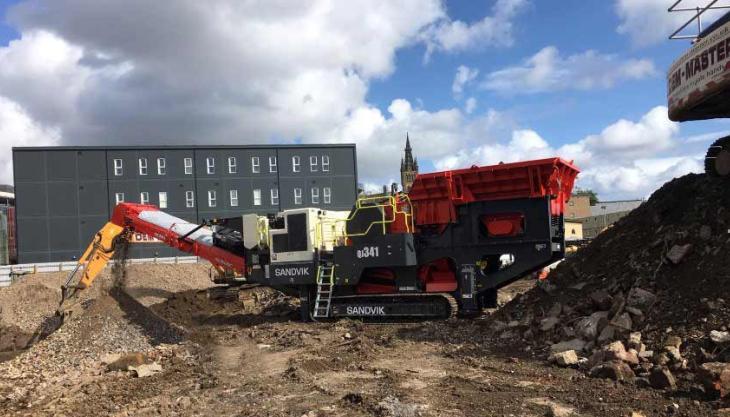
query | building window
[325, 163]
[274, 196]
[189, 199]
[295, 161]
[315, 195]
[162, 199]
[272, 164]
[313, 163]
[119, 198]
[188, 166]
[211, 198]
[144, 197]
[327, 193]
[297, 196]
[142, 166]
[161, 166]
[256, 197]
[118, 167]
[234, 198]
[210, 165]
[255, 165]
[232, 166]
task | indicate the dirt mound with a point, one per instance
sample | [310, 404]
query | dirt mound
[250, 305]
[657, 279]
[105, 321]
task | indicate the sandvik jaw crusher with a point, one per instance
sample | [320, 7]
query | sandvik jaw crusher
[442, 249]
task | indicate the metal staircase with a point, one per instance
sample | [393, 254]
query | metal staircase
[325, 287]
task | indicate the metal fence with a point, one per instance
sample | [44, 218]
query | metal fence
[11, 273]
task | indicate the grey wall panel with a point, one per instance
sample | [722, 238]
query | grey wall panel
[62, 256]
[29, 166]
[92, 198]
[91, 165]
[64, 199]
[32, 200]
[35, 257]
[344, 192]
[64, 234]
[34, 236]
[61, 166]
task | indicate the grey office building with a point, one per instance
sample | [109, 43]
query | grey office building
[64, 195]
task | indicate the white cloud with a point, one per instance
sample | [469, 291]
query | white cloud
[225, 72]
[627, 159]
[470, 105]
[17, 128]
[454, 35]
[464, 75]
[648, 22]
[547, 70]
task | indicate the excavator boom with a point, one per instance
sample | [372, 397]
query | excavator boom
[93, 261]
[175, 232]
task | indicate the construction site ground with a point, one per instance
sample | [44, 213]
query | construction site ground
[253, 357]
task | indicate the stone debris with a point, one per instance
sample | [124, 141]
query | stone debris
[715, 376]
[639, 298]
[616, 370]
[553, 408]
[549, 323]
[678, 252]
[573, 344]
[662, 378]
[719, 337]
[145, 370]
[125, 362]
[566, 358]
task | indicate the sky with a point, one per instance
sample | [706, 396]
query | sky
[470, 81]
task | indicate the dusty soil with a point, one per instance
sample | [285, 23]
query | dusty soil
[251, 357]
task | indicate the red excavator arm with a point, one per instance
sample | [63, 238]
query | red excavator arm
[131, 218]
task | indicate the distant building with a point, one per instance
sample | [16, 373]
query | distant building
[594, 225]
[618, 206]
[573, 230]
[578, 206]
[66, 194]
[408, 167]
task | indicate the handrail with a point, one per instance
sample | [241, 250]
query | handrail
[698, 16]
[383, 203]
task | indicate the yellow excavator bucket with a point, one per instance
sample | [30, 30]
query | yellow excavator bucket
[93, 261]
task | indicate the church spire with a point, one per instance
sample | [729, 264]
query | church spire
[408, 166]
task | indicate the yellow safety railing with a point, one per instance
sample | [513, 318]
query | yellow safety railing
[366, 203]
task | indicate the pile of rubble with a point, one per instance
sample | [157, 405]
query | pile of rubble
[646, 301]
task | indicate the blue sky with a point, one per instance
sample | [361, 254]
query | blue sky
[584, 80]
[573, 27]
